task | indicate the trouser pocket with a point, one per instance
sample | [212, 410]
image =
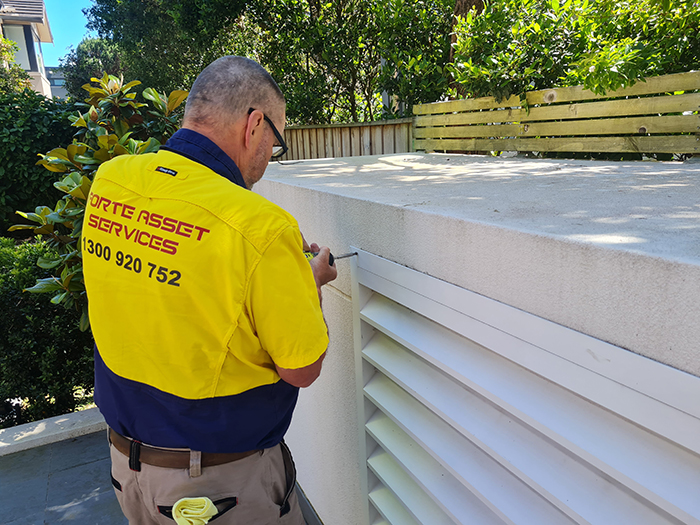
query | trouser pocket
[115, 483]
[290, 472]
[222, 506]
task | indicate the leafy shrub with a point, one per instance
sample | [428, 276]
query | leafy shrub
[43, 354]
[108, 128]
[515, 46]
[29, 123]
[632, 40]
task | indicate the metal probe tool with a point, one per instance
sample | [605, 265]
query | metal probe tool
[331, 258]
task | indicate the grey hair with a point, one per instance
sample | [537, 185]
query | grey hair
[227, 88]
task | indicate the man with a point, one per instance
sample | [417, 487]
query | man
[206, 314]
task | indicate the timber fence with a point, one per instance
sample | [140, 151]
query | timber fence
[349, 140]
[658, 115]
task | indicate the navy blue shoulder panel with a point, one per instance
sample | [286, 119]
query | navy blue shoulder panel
[254, 419]
[197, 147]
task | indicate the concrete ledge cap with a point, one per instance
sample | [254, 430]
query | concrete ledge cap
[52, 430]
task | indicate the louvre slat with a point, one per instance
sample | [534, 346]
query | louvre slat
[389, 507]
[558, 473]
[486, 479]
[407, 491]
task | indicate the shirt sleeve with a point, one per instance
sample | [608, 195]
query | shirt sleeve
[284, 306]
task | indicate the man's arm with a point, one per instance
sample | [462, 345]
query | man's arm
[323, 274]
[302, 377]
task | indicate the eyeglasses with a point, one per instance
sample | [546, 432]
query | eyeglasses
[278, 150]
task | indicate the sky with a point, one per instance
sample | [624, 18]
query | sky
[67, 24]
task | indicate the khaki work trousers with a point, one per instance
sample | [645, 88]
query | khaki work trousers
[258, 483]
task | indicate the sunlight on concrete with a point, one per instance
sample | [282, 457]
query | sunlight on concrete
[607, 239]
[578, 200]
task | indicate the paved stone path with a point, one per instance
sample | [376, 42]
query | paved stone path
[65, 482]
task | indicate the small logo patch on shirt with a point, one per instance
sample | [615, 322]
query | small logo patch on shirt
[166, 170]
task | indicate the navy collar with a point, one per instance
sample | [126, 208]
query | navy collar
[199, 148]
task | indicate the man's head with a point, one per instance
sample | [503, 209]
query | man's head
[219, 106]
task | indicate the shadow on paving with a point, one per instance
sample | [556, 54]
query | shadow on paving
[65, 482]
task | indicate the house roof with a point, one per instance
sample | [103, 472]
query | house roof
[33, 11]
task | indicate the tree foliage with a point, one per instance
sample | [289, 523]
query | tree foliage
[12, 77]
[91, 58]
[333, 60]
[414, 44]
[165, 43]
[520, 45]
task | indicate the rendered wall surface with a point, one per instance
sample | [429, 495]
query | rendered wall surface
[644, 303]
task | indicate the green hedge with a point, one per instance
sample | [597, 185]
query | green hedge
[29, 124]
[515, 46]
[44, 356]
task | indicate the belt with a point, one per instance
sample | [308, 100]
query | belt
[168, 458]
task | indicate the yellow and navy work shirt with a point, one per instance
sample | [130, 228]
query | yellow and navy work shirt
[197, 287]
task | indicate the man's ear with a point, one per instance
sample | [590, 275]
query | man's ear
[254, 128]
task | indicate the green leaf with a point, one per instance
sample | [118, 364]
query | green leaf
[50, 284]
[56, 299]
[84, 320]
[133, 83]
[155, 97]
[175, 98]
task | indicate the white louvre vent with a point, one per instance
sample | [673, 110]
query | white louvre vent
[478, 413]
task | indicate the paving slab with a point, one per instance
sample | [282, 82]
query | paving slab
[63, 482]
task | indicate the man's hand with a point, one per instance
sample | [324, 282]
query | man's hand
[323, 272]
[313, 247]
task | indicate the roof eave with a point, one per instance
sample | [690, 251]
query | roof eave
[42, 24]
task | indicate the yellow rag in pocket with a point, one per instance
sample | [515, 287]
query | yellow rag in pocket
[194, 511]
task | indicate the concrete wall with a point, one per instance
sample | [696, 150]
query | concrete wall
[645, 303]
